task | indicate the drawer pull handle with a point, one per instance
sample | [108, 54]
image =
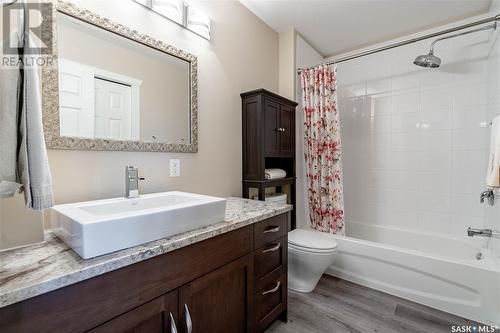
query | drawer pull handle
[189, 323]
[173, 328]
[272, 249]
[275, 289]
[273, 229]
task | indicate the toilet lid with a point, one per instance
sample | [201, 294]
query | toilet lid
[311, 239]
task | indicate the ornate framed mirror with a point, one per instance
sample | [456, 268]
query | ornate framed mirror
[110, 87]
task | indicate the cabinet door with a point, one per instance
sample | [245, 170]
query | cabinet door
[152, 317]
[287, 133]
[221, 301]
[271, 119]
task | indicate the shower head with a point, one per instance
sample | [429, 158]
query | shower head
[428, 60]
[431, 61]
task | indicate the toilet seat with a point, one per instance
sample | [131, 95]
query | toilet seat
[311, 241]
[293, 247]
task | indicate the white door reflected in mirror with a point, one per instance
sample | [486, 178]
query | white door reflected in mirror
[111, 87]
[98, 104]
[113, 107]
[75, 100]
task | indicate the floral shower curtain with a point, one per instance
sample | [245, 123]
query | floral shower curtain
[322, 149]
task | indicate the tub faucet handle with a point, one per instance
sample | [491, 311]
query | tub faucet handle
[488, 194]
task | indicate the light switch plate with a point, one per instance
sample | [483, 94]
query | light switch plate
[175, 168]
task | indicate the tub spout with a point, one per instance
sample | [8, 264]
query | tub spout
[479, 232]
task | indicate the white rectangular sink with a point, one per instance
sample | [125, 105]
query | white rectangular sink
[98, 227]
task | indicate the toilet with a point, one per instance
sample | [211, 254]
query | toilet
[310, 253]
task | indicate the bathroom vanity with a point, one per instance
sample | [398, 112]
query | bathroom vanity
[204, 275]
[226, 277]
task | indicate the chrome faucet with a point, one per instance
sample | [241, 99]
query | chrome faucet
[489, 195]
[132, 182]
[483, 232]
[471, 232]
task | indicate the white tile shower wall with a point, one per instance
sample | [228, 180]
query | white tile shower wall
[415, 140]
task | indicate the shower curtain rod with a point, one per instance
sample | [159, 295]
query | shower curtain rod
[405, 42]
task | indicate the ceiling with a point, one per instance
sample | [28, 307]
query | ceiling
[336, 26]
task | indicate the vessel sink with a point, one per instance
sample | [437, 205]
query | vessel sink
[99, 227]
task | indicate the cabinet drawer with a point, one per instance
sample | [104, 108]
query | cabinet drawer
[270, 261]
[270, 230]
[270, 302]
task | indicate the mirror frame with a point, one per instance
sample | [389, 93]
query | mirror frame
[50, 89]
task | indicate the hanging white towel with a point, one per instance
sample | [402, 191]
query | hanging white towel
[10, 90]
[275, 173]
[27, 169]
[493, 175]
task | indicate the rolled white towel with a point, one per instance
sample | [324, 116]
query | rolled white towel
[275, 173]
[493, 175]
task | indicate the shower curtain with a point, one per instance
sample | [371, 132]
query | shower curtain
[322, 149]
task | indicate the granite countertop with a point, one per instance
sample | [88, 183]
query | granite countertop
[34, 270]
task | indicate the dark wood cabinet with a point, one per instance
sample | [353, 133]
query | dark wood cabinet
[220, 301]
[235, 282]
[279, 135]
[271, 302]
[270, 272]
[272, 127]
[287, 133]
[268, 141]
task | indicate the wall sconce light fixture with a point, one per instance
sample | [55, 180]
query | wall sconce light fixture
[181, 13]
[198, 22]
[171, 9]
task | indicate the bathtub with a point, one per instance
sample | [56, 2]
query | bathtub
[436, 271]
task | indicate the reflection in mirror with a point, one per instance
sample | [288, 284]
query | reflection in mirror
[111, 87]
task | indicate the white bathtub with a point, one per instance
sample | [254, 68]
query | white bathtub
[436, 271]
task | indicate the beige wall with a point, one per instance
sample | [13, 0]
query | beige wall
[242, 55]
[18, 226]
[287, 68]
[164, 108]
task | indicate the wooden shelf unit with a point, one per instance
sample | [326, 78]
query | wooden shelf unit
[268, 122]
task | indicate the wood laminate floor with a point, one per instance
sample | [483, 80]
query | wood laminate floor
[339, 306]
